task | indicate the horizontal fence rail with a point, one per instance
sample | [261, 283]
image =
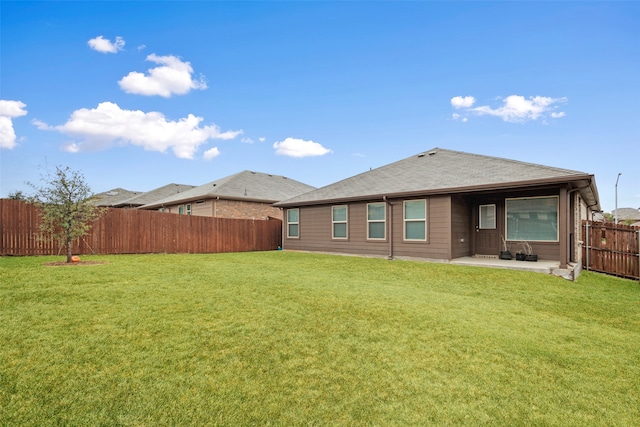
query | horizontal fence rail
[611, 248]
[130, 231]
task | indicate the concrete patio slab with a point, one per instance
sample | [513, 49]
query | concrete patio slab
[541, 266]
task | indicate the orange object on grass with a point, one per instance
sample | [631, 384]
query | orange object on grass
[75, 258]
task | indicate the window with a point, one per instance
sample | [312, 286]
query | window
[415, 220]
[533, 218]
[487, 219]
[376, 221]
[189, 209]
[339, 222]
[293, 223]
[181, 209]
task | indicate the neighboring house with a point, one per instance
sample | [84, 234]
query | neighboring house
[243, 195]
[627, 215]
[444, 204]
[114, 197]
[153, 195]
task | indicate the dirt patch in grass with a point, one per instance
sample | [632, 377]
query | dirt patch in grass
[73, 264]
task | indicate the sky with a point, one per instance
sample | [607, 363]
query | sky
[138, 95]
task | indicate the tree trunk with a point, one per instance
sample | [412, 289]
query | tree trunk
[69, 249]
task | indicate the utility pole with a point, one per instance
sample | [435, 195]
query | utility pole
[616, 216]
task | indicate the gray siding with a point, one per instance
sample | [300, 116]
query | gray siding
[460, 228]
[315, 231]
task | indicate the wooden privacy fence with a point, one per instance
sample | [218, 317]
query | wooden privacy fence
[611, 248]
[130, 231]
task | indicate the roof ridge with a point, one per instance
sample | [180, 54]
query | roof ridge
[522, 162]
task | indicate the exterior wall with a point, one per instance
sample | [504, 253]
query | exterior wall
[242, 209]
[438, 241]
[451, 222]
[316, 231]
[580, 212]
[460, 228]
[544, 250]
[237, 209]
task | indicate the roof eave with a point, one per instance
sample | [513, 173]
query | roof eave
[204, 197]
[454, 190]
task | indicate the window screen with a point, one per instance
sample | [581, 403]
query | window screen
[376, 215]
[415, 220]
[534, 219]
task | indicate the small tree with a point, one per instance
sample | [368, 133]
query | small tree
[67, 208]
[17, 195]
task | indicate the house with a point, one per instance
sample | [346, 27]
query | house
[443, 205]
[626, 215]
[152, 196]
[246, 194]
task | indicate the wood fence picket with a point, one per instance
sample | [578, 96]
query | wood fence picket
[130, 231]
[611, 248]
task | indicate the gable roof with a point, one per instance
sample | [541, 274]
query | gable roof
[114, 197]
[245, 185]
[440, 171]
[154, 195]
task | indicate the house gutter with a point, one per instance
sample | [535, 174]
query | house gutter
[390, 210]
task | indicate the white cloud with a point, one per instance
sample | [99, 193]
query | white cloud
[514, 108]
[262, 139]
[294, 147]
[108, 125]
[247, 140]
[8, 111]
[460, 117]
[105, 46]
[171, 77]
[462, 102]
[211, 153]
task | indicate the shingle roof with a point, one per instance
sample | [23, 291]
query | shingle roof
[155, 195]
[433, 171]
[627, 214]
[245, 185]
[115, 196]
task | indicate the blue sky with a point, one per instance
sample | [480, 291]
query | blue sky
[141, 94]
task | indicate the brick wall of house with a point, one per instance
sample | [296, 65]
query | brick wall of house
[242, 209]
[229, 209]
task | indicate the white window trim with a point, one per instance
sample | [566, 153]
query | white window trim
[506, 212]
[293, 222]
[495, 217]
[405, 220]
[346, 222]
[384, 221]
[188, 209]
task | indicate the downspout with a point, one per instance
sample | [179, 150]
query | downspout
[215, 207]
[390, 210]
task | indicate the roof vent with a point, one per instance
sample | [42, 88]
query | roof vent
[112, 193]
[432, 153]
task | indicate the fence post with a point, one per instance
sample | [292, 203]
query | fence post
[638, 255]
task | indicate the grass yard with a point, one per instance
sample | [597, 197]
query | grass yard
[284, 338]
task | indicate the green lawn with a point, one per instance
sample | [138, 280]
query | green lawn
[284, 338]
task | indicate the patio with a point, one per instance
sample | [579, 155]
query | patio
[546, 267]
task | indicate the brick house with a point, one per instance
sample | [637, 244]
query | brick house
[247, 194]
